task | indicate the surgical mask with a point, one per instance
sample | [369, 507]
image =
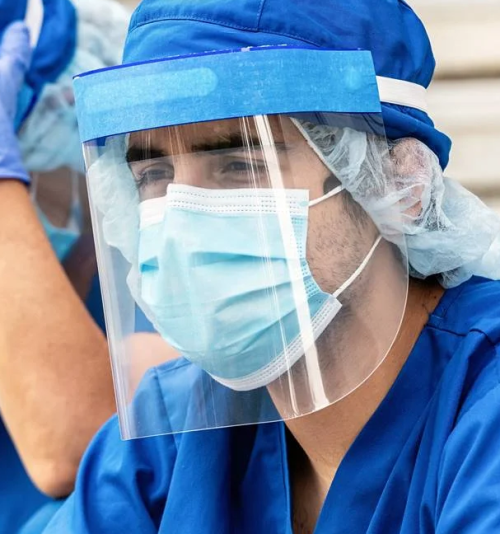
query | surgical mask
[62, 239]
[223, 291]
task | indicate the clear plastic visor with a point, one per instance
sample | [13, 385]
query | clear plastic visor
[243, 283]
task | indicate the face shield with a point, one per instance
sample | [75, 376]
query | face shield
[242, 282]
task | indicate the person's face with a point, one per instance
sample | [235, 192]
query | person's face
[238, 153]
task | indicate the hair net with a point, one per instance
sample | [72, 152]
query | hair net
[49, 138]
[449, 231]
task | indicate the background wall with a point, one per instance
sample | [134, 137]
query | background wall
[465, 96]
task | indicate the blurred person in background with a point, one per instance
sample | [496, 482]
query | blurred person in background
[268, 189]
[55, 380]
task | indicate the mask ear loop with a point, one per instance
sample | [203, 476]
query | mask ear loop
[330, 194]
[359, 270]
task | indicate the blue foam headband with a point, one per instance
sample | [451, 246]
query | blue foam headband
[224, 85]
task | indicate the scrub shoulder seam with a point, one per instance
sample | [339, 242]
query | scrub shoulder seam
[447, 330]
[442, 308]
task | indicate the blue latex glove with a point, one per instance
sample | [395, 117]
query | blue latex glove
[15, 57]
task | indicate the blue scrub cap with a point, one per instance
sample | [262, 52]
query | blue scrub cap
[388, 28]
[56, 44]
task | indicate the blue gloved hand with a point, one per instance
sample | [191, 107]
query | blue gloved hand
[15, 58]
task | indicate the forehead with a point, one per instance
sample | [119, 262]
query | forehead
[191, 137]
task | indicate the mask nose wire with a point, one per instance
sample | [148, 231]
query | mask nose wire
[330, 194]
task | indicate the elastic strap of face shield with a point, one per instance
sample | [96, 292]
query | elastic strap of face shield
[402, 93]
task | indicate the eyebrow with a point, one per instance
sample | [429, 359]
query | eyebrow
[140, 153]
[137, 153]
[232, 142]
[226, 142]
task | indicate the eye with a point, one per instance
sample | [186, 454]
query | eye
[242, 166]
[153, 175]
[240, 172]
[152, 181]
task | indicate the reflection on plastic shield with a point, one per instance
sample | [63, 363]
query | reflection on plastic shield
[176, 86]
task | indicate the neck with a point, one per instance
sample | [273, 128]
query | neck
[323, 438]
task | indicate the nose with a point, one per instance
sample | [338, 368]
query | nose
[193, 170]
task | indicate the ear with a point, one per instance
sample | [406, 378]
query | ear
[414, 168]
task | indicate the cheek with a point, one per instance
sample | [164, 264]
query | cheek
[306, 171]
[337, 244]
[329, 242]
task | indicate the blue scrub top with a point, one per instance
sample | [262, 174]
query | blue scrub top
[19, 499]
[428, 461]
